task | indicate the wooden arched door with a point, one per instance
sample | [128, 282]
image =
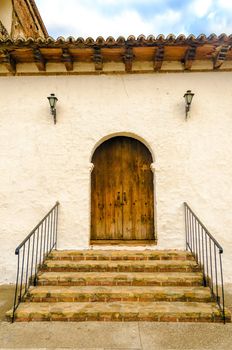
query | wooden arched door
[122, 194]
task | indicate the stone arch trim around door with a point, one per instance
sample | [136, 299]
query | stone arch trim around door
[122, 192]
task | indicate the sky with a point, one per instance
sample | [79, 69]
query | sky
[93, 18]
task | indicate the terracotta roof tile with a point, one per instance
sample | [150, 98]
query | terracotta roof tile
[140, 40]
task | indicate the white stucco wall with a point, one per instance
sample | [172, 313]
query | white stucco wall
[41, 162]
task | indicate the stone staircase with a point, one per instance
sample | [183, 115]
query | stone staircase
[100, 285]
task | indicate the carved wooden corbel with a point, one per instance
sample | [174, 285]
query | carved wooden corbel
[190, 55]
[8, 61]
[98, 59]
[221, 55]
[67, 60]
[39, 60]
[128, 58]
[159, 57]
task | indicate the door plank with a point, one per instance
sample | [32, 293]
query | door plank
[127, 189]
[97, 200]
[106, 211]
[113, 189]
[146, 193]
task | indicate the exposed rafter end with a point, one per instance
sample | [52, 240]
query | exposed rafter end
[39, 60]
[128, 59]
[221, 56]
[8, 61]
[67, 60]
[98, 59]
[189, 58]
[158, 59]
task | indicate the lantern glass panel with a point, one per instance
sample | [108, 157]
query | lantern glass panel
[52, 100]
[189, 97]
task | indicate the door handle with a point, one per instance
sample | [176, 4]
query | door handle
[118, 200]
[124, 197]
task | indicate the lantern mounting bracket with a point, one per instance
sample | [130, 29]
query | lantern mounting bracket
[52, 102]
[188, 96]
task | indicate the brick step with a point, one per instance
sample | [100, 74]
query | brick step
[121, 266]
[119, 311]
[120, 255]
[117, 293]
[120, 279]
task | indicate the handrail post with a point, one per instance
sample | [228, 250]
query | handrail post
[222, 287]
[35, 255]
[57, 214]
[16, 287]
[205, 250]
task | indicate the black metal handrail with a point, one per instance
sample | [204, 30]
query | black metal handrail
[32, 252]
[208, 254]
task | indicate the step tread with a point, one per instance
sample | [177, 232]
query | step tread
[119, 275]
[121, 291]
[122, 265]
[159, 311]
[121, 254]
[120, 278]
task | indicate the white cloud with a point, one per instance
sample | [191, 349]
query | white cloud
[128, 2]
[100, 17]
[170, 17]
[76, 19]
[125, 23]
[82, 22]
[218, 24]
[225, 4]
[200, 7]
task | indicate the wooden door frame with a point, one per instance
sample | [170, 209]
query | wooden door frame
[153, 168]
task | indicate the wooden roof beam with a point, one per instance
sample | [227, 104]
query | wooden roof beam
[128, 58]
[159, 57]
[39, 60]
[221, 56]
[189, 57]
[8, 61]
[67, 60]
[98, 59]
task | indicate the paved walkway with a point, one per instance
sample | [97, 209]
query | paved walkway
[112, 336]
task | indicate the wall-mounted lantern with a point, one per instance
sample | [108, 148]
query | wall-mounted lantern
[188, 100]
[52, 101]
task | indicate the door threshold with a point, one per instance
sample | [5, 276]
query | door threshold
[123, 242]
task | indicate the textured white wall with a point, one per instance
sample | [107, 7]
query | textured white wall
[41, 162]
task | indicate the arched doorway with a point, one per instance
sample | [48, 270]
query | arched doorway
[122, 192]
